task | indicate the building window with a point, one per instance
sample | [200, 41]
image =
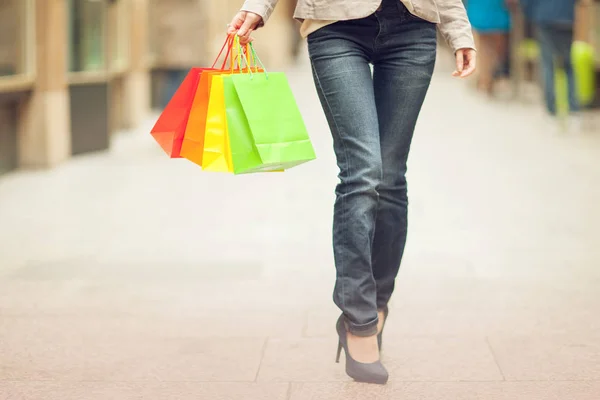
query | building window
[87, 24]
[120, 36]
[16, 37]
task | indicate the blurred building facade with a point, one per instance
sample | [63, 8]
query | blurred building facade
[73, 72]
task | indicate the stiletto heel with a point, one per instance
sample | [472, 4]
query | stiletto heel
[339, 352]
[380, 334]
[360, 372]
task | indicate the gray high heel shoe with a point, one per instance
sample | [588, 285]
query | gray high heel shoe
[386, 311]
[360, 372]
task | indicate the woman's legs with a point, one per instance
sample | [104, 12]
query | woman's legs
[555, 43]
[372, 119]
[340, 63]
[547, 63]
[402, 74]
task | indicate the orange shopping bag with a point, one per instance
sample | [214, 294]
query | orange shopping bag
[193, 139]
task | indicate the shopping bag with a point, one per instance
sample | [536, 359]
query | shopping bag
[244, 155]
[216, 156]
[194, 138]
[266, 131]
[170, 127]
[192, 147]
[582, 59]
[585, 72]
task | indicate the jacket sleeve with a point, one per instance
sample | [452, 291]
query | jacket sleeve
[264, 8]
[454, 24]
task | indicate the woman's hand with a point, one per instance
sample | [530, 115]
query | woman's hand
[466, 62]
[243, 24]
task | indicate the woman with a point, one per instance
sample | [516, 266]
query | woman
[491, 23]
[372, 117]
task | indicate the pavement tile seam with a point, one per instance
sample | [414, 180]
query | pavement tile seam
[262, 357]
[290, 391]
[487, 341]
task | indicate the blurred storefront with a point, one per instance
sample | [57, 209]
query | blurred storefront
[16, 72]
[72, 72]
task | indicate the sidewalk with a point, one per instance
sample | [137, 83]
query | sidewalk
[127, 275]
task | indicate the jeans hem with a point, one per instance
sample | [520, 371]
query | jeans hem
[364, 330]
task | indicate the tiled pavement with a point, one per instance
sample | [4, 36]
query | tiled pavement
[130, 276]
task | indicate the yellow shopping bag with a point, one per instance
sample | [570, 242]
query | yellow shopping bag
[216, 155]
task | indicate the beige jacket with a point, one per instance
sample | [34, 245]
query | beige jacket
[449, 14]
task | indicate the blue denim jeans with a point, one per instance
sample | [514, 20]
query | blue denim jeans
[555, 45]
[372, 116]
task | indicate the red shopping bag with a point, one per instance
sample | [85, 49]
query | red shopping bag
[170, 128]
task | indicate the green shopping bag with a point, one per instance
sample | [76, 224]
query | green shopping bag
[245, 158]
[266, 129]
[582, 59]
[585, 71]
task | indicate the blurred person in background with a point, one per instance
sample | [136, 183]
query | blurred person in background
[491, 23]
[554, 22]
[372, 116]
[179, 41]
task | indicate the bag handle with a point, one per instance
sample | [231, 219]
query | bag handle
[255, 56]
[243, 53]
[237, 59]
[235, 54]
[229, 44]
[251, 57]
[248, 53]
